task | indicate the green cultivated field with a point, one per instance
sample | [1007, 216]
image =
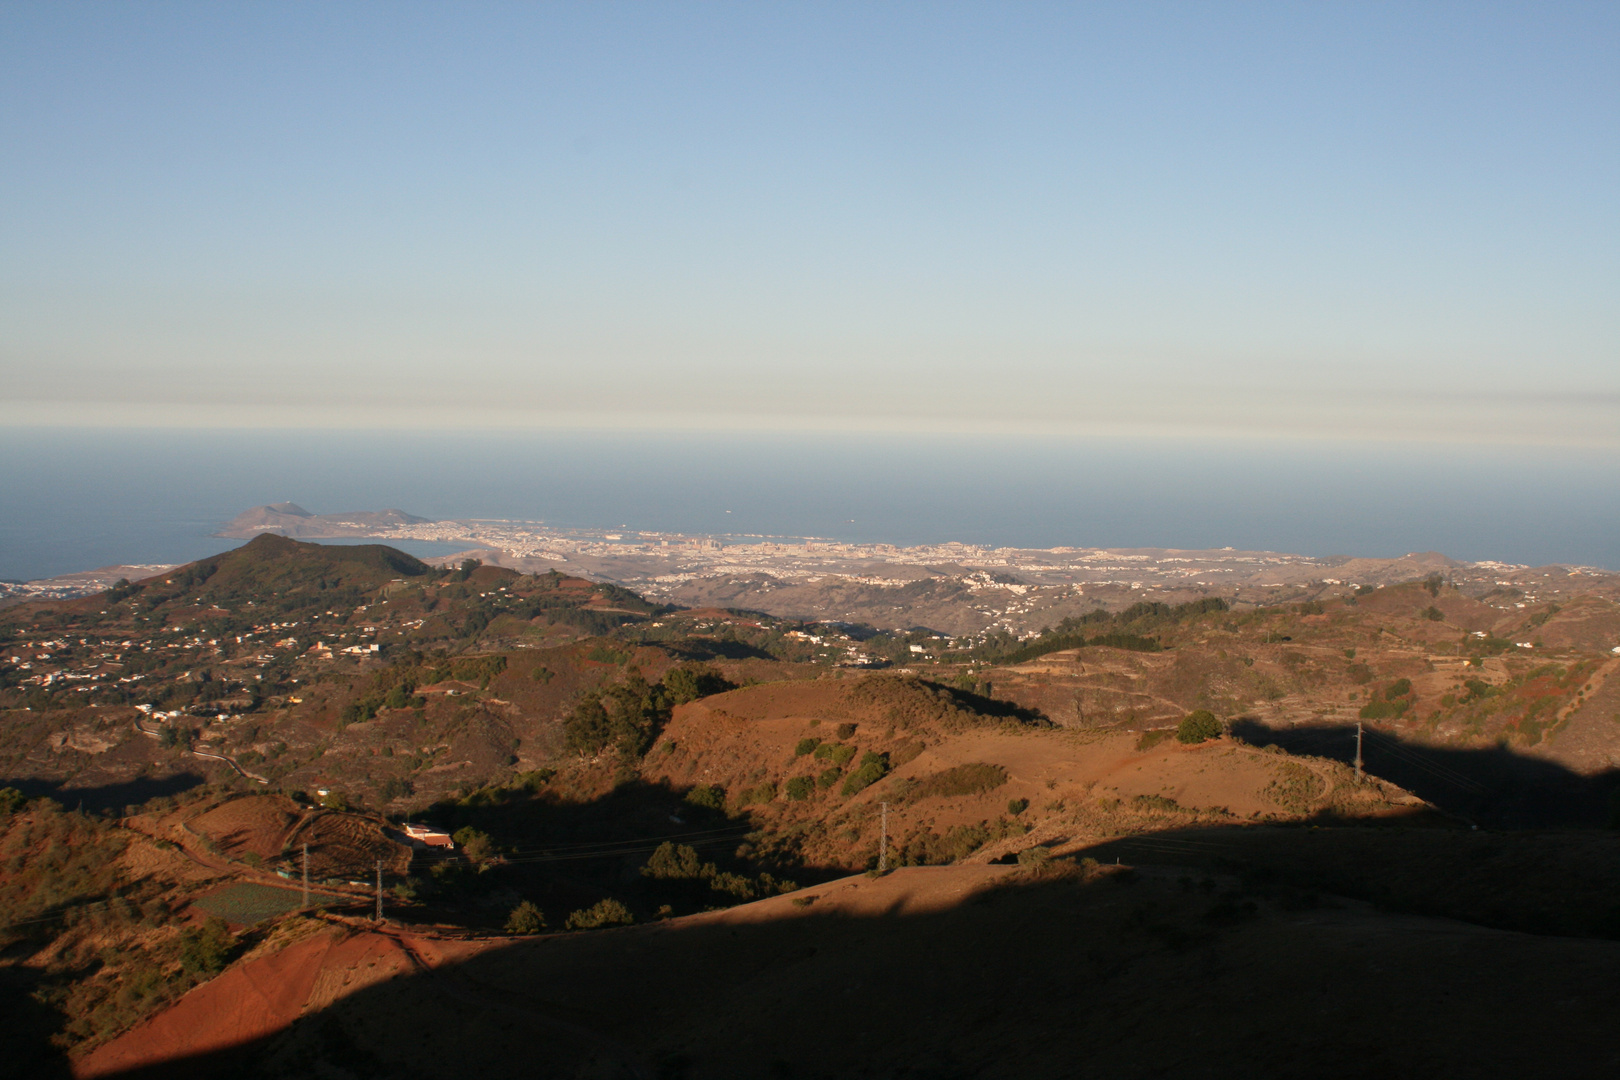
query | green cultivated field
[246, 904]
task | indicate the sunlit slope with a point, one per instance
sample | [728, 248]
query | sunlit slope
[819, 759]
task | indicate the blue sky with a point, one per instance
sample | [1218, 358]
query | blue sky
[1364, 221]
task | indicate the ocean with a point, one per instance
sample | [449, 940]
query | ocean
[76, 499]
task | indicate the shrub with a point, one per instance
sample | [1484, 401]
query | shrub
[1398, 688]
[1294, 788]
[837, 753]
[526, 919]
[806, 746]
[674, 862]
[1149, 739]
[206, 949]
[708, 796]
[608, 912]
[733, 885]
[763, 793]
[475, 845]
[1036, 857]
[688, 683]
[873, 767]
[846, 730]
[395, 787]
[1017, 806]
[1198, 726]
[1384, 710]
[1434, 614]
[11, 800]
[930, 849]
[829, 777]
[968, 779]
[800, 788]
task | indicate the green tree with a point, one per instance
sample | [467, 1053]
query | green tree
[873, 767]
[708, 796]
[526, 919]
[608, 912]
[475, 845]
[688, 683]
[206, 949]
[674, 862]
[1199, 726]
[626, 717]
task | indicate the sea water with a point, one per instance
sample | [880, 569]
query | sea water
[76, 499]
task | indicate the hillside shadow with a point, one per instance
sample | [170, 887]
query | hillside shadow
[985, 705]
[700, 650]
[1493, 786]
[26, 1051]
[1071, 973]
[565, 854]
[1563, 882]
[113, 797]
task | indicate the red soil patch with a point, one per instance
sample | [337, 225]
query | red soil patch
[263, 995]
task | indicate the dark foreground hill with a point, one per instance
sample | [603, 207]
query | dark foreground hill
[972, 971]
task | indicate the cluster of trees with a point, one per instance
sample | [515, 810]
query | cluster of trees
[628, 715]
[1394, 701]
[1126, 629]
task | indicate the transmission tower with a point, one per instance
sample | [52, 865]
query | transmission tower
[883, 844]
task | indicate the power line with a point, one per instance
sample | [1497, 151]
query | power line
[601, 845]
[1442, 772]
[605, 853]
